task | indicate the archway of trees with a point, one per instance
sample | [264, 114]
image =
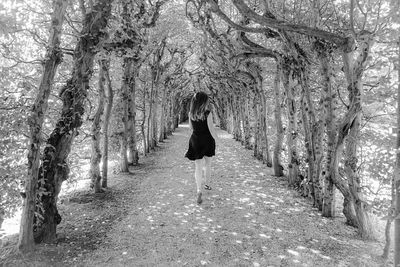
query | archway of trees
[307, 86]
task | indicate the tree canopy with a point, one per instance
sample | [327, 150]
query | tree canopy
[309, 86]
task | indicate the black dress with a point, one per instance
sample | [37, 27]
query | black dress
[201, 142]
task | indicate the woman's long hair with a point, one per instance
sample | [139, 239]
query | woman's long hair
[198, 106]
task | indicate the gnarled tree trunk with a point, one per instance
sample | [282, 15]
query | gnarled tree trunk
[291, 136]
[109, 96]
[329, 105]
[54, 169]
[126, 100]
[164, 103]
[94, 172]
[278, 169]
[52, 60]
[257, 128]
[245, 122]
[221, 110]
[133, 153]
[154, 118]
[313, 133]
[307, 189]
[396, 181]
[266, 155]
[354, 77]
[236, 111]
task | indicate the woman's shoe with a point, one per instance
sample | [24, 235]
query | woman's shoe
[199, 200]
[207, 187]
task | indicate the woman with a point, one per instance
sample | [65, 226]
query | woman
[202, 141]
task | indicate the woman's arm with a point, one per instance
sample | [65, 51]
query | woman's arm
[190, 123]
[210, 125]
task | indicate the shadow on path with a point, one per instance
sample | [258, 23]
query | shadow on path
[250, 218]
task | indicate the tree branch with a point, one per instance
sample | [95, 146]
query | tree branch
[346, 43]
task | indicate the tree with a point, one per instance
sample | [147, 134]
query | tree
[109, 95]
[397, 175]
[294, 63]
[136, 18]
[54, 168]
[94, 172]
[52, 60]
[278, 169]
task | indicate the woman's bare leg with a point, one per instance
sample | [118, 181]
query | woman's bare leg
[207, 170]
[198, 173]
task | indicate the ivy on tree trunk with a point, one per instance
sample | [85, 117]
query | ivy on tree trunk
[52, 60]
[54, 169]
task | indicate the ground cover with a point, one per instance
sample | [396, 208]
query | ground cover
[150, 218]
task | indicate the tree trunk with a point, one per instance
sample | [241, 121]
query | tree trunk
[245, 122]
[388, 238]
[230, 121]
[354, 78]
[54, 169]
[237, 131]
[109, 95]
[163, 108]
[143, 125]
[126, 100]
[133, 153]
[313, 133]
[353, 71]
[156, 72]
[2, 215]
[307, 189]
[123, 148]
[94, 172]
[172, 113]
[278, 169]
[349, 211]
[363, 221]
[221, 110]
[257, 130]
[264, 135]
[329, 104]
[131, 63]
[397, 177]
[52, 59]
[292, 126]
[175, 111]
[149, 121]
[170, 119]
[154, 118]
[392, 208]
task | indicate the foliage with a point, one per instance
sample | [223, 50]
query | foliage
[18, 77]
[203, 53]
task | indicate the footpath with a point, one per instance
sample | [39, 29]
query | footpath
[249, 218]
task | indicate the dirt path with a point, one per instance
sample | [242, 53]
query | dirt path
[250, 218]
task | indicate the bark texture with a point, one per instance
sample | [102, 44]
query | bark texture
[125, 102]
[54, 169]
[109, 96]
[329, 105]
[278, 169]
[52, 59]
[94, 172]
[397, 181]
[291, 135]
